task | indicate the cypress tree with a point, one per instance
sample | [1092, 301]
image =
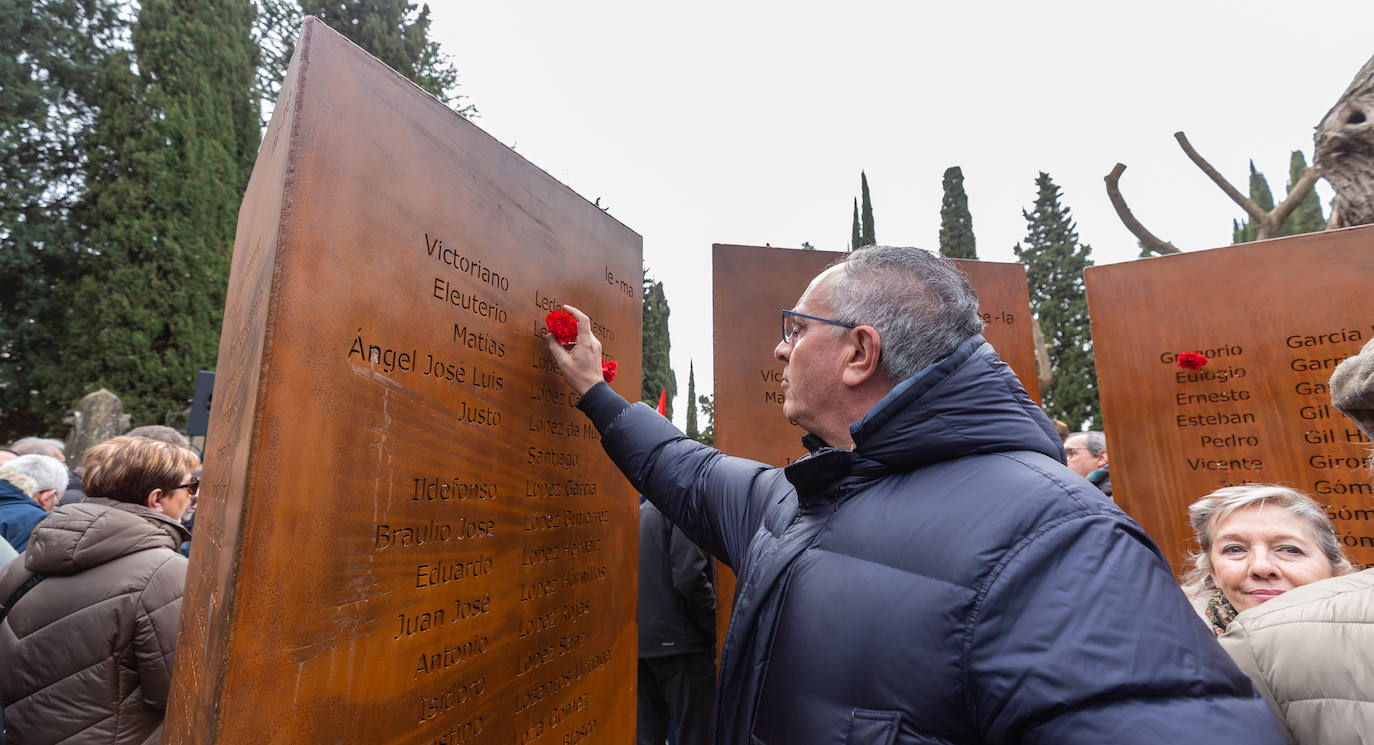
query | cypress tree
[1054, 262]
[1241, 230]
[170, 156]
[55, 50]
[956, 224]
[1307, 218]
[692, 430]
[855, 236]
[708, 407]
[656, 366]
[866, 215]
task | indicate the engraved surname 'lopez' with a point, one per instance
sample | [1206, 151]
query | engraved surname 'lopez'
[573, 579]
[542, 490]
[546, 395]
[540, 425]
[552, 552]
[569, 613]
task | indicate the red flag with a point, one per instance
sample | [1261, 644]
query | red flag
[663, 402]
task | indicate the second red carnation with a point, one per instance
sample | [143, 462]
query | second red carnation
[608, 370]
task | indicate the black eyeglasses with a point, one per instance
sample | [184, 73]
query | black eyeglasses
[192, 486]
[790, 327]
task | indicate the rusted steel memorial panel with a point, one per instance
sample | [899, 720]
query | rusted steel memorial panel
[1273, 319]
[409, 534]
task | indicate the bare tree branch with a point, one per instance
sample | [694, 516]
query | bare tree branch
[1148, 241]
[1267, 224]
[1305, 183]
[1245, 202]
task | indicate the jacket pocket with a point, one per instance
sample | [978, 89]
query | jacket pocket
[868, 727]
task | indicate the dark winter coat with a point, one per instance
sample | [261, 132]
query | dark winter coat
[947, 581]
[18, 516]
[87, 653]
[677, 599]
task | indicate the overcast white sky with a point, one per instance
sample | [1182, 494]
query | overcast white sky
[748, 122]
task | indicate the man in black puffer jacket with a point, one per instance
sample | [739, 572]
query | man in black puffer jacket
[677, 634]
[931, 572]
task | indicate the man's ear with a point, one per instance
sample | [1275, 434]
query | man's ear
[865, 357]
[154, 497]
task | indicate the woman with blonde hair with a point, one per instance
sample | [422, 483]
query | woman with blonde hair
[1257, 541]
[90, 609]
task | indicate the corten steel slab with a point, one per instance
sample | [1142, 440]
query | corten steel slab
[1274, 318]
[752, 286]
[408, 534]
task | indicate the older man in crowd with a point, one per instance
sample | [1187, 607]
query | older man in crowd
[40, 446]
[49, 475]
[19, 513]
[931, 572]
[1086, 454]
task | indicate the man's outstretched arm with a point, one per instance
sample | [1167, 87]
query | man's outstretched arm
[717, 501]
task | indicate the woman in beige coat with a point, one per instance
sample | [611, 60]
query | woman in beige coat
[1308, 652]
[87, 650]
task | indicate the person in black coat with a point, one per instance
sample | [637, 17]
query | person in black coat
[931, 572]
[677, 627]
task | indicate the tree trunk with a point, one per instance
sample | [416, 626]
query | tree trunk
[1345, 151]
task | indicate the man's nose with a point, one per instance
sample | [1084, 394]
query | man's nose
[782, 351]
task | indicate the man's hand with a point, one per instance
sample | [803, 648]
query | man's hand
[581, 360]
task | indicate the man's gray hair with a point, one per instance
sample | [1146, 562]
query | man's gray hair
[1206, 514]
[161, 433]
[46, 471]
[39, 445]
[921, 304]
[1095, 441]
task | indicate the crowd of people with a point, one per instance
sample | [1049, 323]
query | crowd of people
[92, 586]
[943, 566]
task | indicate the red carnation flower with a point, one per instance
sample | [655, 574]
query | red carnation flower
[1191, 360]
[562, 326]
[608, 370]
